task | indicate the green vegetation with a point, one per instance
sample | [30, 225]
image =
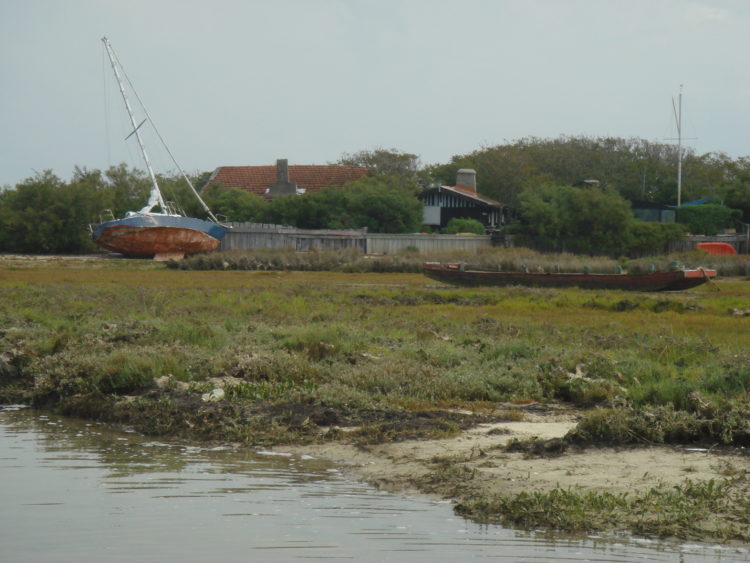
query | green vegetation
[693, 510]
[707, 219]
[665, 368]
[44, 214]
[459, 225]
[511, 259]
[382, 204]
[639, 170]
[537, 178]
[299, 355]
[404, 167]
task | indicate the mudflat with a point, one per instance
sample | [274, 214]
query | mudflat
[402, 466]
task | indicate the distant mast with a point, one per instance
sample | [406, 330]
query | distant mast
[677, 108]
[678, 121]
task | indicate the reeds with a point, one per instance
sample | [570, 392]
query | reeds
[502, 259]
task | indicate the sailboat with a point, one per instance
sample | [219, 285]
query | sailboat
[164, 234]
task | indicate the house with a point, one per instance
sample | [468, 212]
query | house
[280, 180]
[444, 203]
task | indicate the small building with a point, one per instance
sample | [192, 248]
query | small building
[280, 180]
[653, 212]
[444, 203]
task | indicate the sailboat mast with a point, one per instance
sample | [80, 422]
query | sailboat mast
[156, 197]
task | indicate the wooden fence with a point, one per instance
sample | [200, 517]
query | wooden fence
[246, 236]
[391, 244]
[687, 243]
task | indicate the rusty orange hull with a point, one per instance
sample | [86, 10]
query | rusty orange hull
[146, 242]
[158, 235]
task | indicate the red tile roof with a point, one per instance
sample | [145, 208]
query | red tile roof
[256, 179]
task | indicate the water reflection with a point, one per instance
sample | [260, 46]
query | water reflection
[82, 491]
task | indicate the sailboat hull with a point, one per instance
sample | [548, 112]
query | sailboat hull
[153, 235]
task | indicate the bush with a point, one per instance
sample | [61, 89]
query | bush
[648, 239]
[463, 225]
[706, 219]
[586, 220]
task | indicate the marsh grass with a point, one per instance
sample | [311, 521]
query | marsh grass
[301, 353]
[388, 341]
[715, 510]
[399, 338]
[502, 259]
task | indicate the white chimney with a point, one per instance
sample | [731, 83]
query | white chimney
[467, 179]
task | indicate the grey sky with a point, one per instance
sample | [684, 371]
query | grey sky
[246, 82]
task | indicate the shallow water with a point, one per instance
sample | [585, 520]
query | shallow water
[76, 491]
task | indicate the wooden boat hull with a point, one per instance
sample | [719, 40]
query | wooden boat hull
[145, 236]
[459, 274]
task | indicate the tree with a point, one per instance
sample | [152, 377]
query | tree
[591, 220]
[44, 214]
[637, 169]
[648, 238]
[235, 204]
[393, 163]
[128, 189]
[383, 206]
[378, 203]
[738, 197]
[706, 219]
[736, 190]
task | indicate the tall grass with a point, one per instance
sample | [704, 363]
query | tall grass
[504, 259]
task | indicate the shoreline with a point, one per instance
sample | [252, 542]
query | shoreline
[399, 466]
[474, 466]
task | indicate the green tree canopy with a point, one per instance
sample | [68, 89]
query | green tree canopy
[590, 219]
[391, 163]
[736, 191]
[44, 214]
[235, 204]
[379, 203]
[636, 168]
[706, 219]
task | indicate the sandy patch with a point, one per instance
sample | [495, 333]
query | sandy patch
[400, 466]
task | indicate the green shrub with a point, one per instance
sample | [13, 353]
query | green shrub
[706, 219]
[649, 239]
[463, 225]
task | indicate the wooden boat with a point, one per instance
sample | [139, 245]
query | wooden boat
[147, 233]
[461, 274]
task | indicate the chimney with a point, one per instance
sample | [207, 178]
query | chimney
[282, 185]
[282, 171]
[466, 179]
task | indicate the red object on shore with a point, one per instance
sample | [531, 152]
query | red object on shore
[461, 274]
[716, 247]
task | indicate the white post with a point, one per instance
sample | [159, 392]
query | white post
[678, 121]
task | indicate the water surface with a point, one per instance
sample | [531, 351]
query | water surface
[84, 492]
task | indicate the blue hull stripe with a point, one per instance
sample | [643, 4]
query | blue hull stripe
[211, 229]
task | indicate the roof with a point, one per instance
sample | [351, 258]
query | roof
[313, 177]
[470, 194]
[638, 204]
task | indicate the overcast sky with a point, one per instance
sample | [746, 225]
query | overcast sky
[247, 82]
